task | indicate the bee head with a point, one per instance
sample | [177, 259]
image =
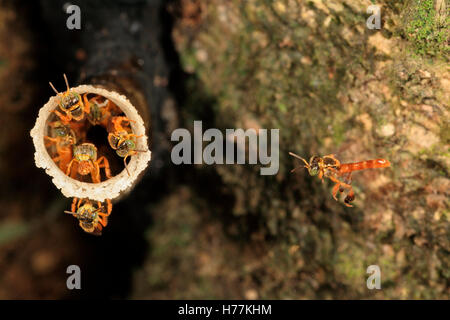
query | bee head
[125, 147]
[61, 130]
[70, 101]
[313, 166]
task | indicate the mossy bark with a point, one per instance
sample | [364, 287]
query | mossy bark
[313, 70]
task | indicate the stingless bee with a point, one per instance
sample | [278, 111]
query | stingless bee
[85, 155]
[101, 112]
[92, 217]
[122, 140]
[64, 138]
[71, 104]
[341, 174]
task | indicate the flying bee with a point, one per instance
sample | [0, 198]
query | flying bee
[71, 104]
[92, 218]
[122, 140]
[64, 138]
[85, 155]
[341, 174]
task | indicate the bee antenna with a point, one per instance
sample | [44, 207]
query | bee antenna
[97, 209]
[51, 85]
[298, 157]
[297, 168]
[125, 163]
[70, 212]
[67, 82]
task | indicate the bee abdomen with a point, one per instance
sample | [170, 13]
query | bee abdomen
[369, 164]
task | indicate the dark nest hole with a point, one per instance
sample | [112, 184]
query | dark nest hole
[99, 137]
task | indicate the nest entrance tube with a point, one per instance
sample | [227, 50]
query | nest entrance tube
[118, 184]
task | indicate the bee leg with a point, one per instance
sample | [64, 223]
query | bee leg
[87, 106]
[117, 121]
[74, 172]
[108, 207]
[347, 180]
[123, 118]
[343, 184]
[335, 190]
[103, 220]
[109, 106]
[74, 202]
[79, 202]
[95, 173]
[64, 118]
[104, 165]
[349, 198]
[51, 140]
[102, 217]
[69, 167]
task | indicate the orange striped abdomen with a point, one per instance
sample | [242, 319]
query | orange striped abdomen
[369, 164]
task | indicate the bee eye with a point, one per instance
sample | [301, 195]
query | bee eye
[122, 152]
[60, 132]
[313, 171]
[130, 144]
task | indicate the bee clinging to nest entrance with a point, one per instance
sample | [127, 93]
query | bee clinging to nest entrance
[92, 216]
[71, 104]
[122, 140]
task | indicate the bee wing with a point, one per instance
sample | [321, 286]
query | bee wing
[332, 155]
